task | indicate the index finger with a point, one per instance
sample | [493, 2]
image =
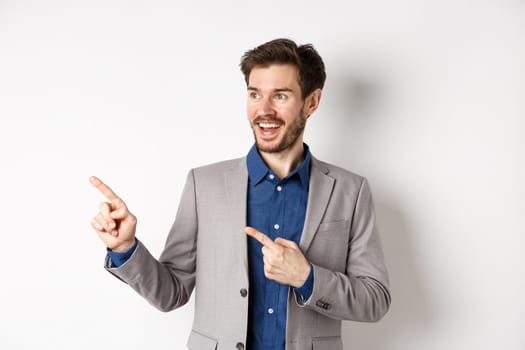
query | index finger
[105, 190]
[261, 237]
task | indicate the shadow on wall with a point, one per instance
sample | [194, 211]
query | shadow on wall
[410, 312]
[361, 107]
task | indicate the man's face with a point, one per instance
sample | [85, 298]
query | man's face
[276, 109]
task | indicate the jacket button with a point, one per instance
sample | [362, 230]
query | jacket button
[240, 346]
[244, 293]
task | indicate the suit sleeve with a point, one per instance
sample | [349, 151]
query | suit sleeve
[166, 283]
[361, 292]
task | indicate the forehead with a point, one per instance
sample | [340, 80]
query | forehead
[274, 76]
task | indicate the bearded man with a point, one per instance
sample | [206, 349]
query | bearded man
[278, 245]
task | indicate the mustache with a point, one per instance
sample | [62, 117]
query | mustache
[268, 120]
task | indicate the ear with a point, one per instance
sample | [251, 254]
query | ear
[312, 102]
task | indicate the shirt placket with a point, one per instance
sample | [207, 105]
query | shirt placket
[272, 288]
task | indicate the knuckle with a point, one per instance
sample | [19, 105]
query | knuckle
[95, 224]
[100, 219]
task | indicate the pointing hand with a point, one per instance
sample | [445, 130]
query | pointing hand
[114, 223]
[283, 260]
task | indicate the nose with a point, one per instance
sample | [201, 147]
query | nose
[265, 108]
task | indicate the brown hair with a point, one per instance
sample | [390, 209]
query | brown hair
[312, 74]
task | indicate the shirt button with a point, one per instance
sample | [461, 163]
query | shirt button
[276, 226]
[243, 292]
[271, 176]
[239, 346]
[279, 188]
[270, 310]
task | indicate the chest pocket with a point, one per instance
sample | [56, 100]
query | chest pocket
[327, 343]
[329, 247]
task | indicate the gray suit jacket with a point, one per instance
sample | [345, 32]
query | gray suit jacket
[207, 249]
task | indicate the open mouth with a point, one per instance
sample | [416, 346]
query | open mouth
[268, 128]
[268, 125]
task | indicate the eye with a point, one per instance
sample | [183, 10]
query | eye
[281, 97]
[254, 95]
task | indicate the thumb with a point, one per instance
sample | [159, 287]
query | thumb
[120, 213]
[286, 243]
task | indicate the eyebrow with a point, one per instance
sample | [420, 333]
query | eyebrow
[284, 89]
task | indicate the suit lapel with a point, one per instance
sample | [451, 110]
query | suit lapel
[319, 193]
[236, 187]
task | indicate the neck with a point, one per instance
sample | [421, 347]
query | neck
[284, 162]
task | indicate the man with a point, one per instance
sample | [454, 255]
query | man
[279, 246]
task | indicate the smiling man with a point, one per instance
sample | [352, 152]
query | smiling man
[279, 246]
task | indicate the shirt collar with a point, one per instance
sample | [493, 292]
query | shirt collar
[257, 169]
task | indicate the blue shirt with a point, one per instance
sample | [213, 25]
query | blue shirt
[276, 207]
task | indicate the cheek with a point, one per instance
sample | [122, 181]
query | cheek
[289, 113]
[251, 109]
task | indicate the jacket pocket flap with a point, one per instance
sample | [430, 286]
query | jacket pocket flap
[333, 226]
[198, 341]
[327, 343]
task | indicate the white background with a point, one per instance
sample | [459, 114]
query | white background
[425, 98]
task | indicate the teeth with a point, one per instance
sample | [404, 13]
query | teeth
[268, 125]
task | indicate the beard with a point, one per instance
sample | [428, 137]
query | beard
[287, 140]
